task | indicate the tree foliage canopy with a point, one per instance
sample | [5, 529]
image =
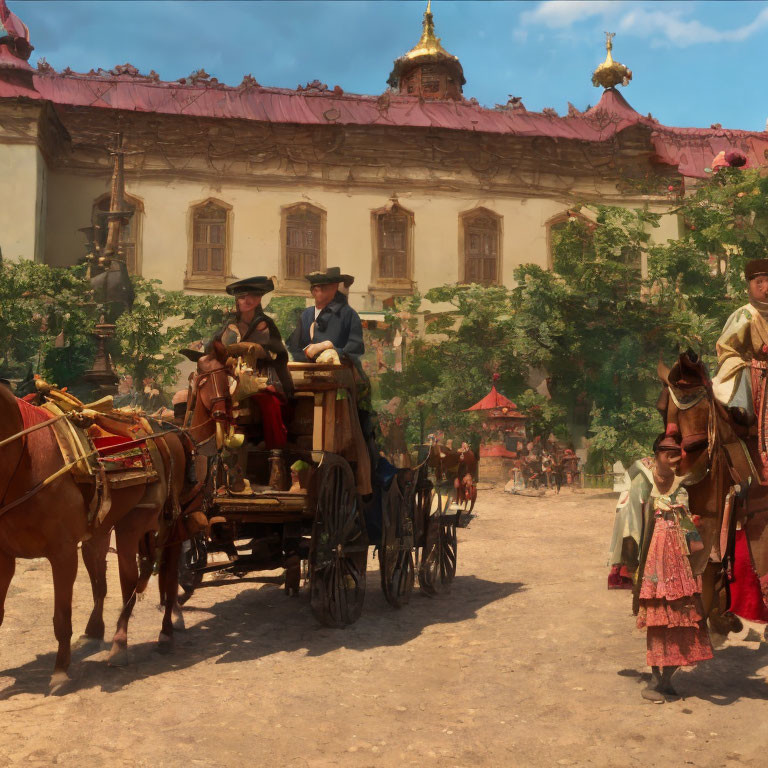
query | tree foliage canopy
[47, 317]
[593, 323]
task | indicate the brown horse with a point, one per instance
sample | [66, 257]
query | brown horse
[53, 518]
[714, 455]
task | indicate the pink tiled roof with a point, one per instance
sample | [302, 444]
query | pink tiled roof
[690, 150]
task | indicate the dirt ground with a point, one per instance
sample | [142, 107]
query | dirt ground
[529, 661]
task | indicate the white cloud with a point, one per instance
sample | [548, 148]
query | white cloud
[558, 14]
[673, 25]
[683, 32]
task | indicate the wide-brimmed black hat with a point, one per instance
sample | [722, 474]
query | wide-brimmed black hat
[260, 285]
[755, 268]
[331, 275]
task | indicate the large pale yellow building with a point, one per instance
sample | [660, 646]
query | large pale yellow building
[406, 190]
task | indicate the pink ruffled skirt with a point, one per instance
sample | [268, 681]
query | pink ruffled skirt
[670, 602]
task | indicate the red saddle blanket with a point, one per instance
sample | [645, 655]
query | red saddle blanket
[118, 453]
[31, 414]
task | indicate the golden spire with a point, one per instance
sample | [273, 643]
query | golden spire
[428, 43]
[611, 73]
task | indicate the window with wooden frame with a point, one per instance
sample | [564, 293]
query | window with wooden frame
[209, 240]
[210, 244]
[130, 232]
[303, 241]
[393, 242]
[481, 235]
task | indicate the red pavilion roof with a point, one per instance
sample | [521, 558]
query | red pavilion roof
[494, 399]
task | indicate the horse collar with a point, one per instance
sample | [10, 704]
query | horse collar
[684, 401]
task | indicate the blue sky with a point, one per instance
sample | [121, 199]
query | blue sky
[694, 63]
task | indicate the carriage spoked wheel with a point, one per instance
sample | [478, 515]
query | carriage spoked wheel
[396, 550]
[339, 551]
[437, 561]
[194, 557]
[424, 491]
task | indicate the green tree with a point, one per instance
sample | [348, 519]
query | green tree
[46, 320]
[285, 311]
[451, 365]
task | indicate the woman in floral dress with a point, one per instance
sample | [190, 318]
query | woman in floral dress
[669, 595]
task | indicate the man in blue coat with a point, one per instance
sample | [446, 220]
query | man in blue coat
[333, 325]
[330, 324]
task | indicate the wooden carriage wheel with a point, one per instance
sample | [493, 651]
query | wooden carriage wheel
[339, 551]
[437, 560]
[194, 557]
[396, 550]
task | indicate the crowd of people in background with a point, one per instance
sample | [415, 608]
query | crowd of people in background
[547, 465]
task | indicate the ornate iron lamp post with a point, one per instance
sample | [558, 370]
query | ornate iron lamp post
[108, 275]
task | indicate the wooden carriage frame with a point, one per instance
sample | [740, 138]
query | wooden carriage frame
[323, 529]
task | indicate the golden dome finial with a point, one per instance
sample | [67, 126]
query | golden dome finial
[428, 43]
[428, 70]
[611, 73]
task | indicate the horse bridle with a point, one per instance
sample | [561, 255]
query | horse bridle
[217, 414]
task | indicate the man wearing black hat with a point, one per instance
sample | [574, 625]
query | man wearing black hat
[331, 324]
[742, 356]
[249, 324]
[332, 329]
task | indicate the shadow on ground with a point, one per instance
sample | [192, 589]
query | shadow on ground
[733, 674]
[259, 622]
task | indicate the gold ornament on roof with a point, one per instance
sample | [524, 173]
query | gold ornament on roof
[429, 43]
[611, 73]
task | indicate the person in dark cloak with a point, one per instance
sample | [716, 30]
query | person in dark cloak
[249, 324]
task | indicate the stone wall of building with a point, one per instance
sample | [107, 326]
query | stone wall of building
[23, 184]
[255, 227]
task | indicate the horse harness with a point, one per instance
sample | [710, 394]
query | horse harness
[101, 483]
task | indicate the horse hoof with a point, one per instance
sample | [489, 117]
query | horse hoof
[118, 656]
[178, 623]
[164, 644]
[59, 681]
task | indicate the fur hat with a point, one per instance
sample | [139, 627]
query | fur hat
[755, 268]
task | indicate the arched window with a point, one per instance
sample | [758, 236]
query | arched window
[130, 232]
[557, 225]
[480, 246]
[303, 237]
[208, 263]
[393, 247]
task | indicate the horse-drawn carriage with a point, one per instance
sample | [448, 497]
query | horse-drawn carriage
[317, 526]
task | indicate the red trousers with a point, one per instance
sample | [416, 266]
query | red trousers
[271, 408]
[746, 596]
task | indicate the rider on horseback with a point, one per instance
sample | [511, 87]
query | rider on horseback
[742, 357]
